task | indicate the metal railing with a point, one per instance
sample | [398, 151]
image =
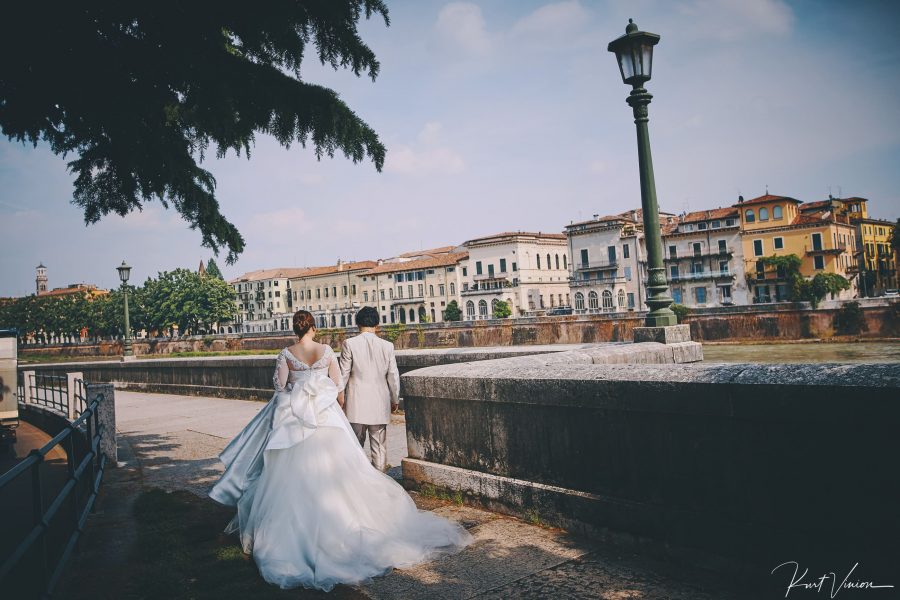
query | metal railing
[34, 566]
[51, 391]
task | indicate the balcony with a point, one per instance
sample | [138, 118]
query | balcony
[590, 282]
[838, 249]
[408, 300]
[701, 276]
[501, 276]
[487, 288]
[598, 265]
[726, 253]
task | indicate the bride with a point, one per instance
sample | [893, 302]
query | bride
[311, 509]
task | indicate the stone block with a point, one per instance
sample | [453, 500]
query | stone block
[664, 335]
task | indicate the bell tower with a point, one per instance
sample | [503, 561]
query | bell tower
[41, 280]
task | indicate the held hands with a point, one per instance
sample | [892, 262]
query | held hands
[394, 407]
[340, 399]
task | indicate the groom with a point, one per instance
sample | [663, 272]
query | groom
[371, 382]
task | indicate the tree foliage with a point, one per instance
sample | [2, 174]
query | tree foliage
[502, 309]
[212, 269]
[895, 237]
[179, 298]
[452, 312]
[802, 289]
[138, 93]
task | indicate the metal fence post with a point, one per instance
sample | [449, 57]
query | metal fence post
[75, 401]
[30, 392]
[106, 414]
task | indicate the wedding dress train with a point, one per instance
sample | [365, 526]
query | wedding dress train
[310, 507]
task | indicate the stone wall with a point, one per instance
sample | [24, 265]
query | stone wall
[740, 323]
[728, 464]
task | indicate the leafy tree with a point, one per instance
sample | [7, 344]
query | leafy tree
[212, 269]
[850, 320]
[810, 290]
[452, 312]
[895, 237]
[138, 93]
[681, 312]
[501, 309]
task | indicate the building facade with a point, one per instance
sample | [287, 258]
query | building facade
[332, 293]
[775, 226]
[264, 301]
[528, 271]
[704, 259]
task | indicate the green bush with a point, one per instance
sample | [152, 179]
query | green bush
[681, 312]
[850, 320]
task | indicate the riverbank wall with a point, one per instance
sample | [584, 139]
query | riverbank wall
[757, 323]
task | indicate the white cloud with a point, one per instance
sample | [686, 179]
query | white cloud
[461, 26]
[738, 19]
[552, 20]
[280, 225]
[426, 157]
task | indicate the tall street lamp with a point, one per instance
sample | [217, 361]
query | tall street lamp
[634, 51]
[124, 272]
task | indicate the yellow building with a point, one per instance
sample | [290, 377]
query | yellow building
[774, 226]
[874, 259]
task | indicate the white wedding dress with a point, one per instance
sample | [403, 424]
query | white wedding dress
[311, 508]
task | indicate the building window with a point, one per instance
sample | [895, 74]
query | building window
[749, 216]
[491, 270]
[697, 249]
[353, 289]
[817, 241]
[760, 270]
[318, 293]
[621, 298]
[729, 222]
[565, 262]
[478, 268]
[465, 271]
[409, 288]
[630, 299]
[779, 243]
[764, 214]
[627, 273]
[365, 296]
[626, 251]
[723, 266]
[431, 291]
[391, 293]
[482, 308]
[548, 262]
[579, 301]
[277, 293]
[700, 295]
[716, 224]
[344, 290]
[422, 290]
[334, 291]
[673, 252]
[819, 262]
[673, 272]
[725, 294]
[607, 299]
[676, 295]
[470, 309]
[592, 300]
[441, 289]
[515, 267]
[722, 248]
[611, 253]
[701, 226]
[538, 261]
[452, 289]
[757, 247]
[776, 213]
[557, 261]
[503, 265]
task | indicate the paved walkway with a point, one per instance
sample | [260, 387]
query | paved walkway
[171, 442]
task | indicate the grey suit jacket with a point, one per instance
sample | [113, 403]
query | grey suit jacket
[370, 378]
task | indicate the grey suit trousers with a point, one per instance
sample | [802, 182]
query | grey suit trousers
[377, 442]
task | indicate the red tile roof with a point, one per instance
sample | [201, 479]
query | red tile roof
[813, 206]
[262, 274]
[431, 252]
[446, 260]
[343, 268]
[77, 288]
[708, 215]
[555, 236]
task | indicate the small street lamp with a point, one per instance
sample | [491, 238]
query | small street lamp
[124, 272]
[634, 52]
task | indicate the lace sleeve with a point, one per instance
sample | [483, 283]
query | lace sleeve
[280, 377]
[334, 371]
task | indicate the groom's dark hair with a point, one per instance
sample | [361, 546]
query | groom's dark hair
[367, 317]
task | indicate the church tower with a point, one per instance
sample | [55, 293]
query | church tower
[41, 280]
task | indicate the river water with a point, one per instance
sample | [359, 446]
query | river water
[814, 352]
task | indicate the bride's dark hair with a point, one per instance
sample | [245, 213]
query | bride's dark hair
[303, 322]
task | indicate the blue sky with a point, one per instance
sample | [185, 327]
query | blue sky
[511, 115]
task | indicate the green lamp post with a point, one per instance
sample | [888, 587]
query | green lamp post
[634, 52]
[124, 272]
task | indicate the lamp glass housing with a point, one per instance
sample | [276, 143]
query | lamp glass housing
[634, 52]
[124, 272]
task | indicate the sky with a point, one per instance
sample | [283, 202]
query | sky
[506, 115]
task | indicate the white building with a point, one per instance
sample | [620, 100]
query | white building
[529, 271]
[704, 259]
[264, 301]
[332, 293]
[606, 263]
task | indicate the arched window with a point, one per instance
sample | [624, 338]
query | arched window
[579, 301]
[412, 316]
[422, 315]
[343, 321]
[433, 317]
[549, 264]
[764, 214]
[482, 308]
[607, 299]
[539, 261]
[557, 261]
[333, 321]
[776, 212]
[565, 262]
[431, 290]
[229, 330]
[621, 298]
[470, 309]
[749, 216]
[494, 306]
[592, 300]
[402, 314]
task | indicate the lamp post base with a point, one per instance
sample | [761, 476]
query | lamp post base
[671, 334]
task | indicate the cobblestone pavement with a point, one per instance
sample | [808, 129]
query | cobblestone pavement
[174, 441]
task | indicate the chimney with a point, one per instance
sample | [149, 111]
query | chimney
[634, 215]
[596, 217]
[380, 262]
[340, 265]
